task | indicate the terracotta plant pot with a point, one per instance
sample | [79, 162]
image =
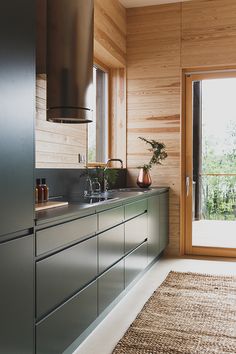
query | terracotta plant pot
[144, 179]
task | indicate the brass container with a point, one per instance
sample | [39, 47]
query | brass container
[144, 179]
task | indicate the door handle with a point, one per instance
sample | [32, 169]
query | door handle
[187, 185]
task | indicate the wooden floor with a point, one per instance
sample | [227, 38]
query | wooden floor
[105, 337]
[214, 233]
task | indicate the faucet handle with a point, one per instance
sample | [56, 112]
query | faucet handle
[105, 184]
[88, 190]
[96, 186]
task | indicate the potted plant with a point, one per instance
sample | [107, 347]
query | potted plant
[105, 176]
[158, 155]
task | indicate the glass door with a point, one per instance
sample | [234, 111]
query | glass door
[210, 206]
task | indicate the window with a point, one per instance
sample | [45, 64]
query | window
[98, 129]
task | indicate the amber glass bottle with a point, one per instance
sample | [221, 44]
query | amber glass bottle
[36, 194]
[45, 189]
[40, 190]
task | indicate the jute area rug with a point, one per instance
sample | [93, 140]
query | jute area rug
[188, 314]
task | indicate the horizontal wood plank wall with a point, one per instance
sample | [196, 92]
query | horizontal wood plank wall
[110, 33]
[57, 145]
[208, 33]
[153, 98]
[156, 55]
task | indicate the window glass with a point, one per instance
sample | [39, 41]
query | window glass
[98, 129]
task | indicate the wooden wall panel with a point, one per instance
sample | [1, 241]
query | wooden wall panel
[110, 33]
[57, 145]
[161, 41]
[208, 33]
[153, 98]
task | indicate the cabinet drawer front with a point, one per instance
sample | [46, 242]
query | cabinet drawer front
[134, 209]
[110, 218]
[58, 331]
[153, 227]
[164, 221]
[110, 285]
[17, 294]
[110, 247]
[64, 273]
[135, 232]
[58, 236]
[135, 262]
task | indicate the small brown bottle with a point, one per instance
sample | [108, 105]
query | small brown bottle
[36, 191]
[40, 190]
[45, 189]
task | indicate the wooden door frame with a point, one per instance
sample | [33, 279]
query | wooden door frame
[186, 247]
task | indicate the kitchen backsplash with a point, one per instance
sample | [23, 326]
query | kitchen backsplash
[68, 182]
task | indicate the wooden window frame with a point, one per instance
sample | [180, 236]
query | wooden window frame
[117, 115]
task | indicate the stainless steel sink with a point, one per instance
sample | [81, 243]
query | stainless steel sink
[93, 199]
[140, 190]
[98, 199]
[108, 196]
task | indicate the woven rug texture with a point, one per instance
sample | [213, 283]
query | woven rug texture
[188, 314]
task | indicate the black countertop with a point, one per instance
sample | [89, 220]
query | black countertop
[76, 208]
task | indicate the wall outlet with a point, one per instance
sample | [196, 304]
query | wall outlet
[81, 158]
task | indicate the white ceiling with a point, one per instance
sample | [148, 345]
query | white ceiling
[140, 3]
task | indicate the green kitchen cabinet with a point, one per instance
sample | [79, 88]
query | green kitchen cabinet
[17, 296]
[110, 285]
[17, 113]
[158, 228]
[135, 263]
[56, 332]
[164, 220]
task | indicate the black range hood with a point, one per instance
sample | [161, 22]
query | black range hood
[70, 28]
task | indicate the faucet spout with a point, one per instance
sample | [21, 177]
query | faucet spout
[111, 160]
[105, 181]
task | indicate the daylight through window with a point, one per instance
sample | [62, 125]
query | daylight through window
[98, 129]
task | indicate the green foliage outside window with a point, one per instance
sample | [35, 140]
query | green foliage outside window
[219, 192]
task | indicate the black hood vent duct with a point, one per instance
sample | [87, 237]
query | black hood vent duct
[70, 28]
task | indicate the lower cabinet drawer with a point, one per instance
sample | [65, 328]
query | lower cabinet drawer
[110, 247]
[136, 208]
[110, 285]
[111, 217]
[135, 232]
[135, 262]
[63, 274]
[56, 333]
[61, 235]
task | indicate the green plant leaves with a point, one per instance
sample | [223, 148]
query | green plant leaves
[158, 150]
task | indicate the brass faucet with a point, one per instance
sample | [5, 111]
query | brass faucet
[105, 180]
[110, 160]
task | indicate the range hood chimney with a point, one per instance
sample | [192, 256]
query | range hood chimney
[70, 27]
